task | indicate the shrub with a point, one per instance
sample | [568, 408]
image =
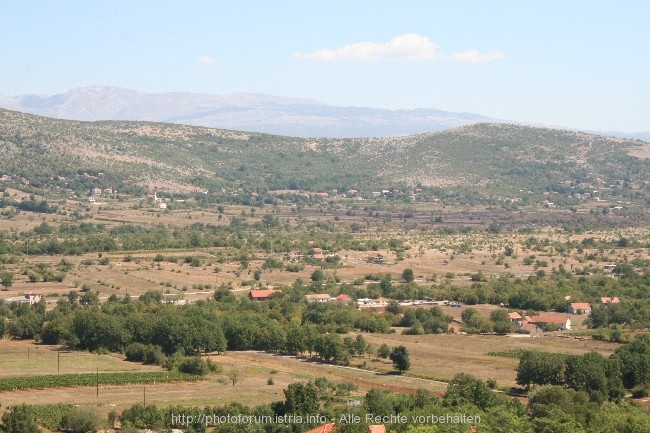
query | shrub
[135, 352]
[193, 365]
[154, 355]
[81, 420]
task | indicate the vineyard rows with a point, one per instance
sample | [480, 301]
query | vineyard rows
[68, 380]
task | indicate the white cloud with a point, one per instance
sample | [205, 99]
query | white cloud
[474, 56]
[411, 47]
[206, 60]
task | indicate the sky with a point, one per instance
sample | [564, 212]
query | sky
[573, 63]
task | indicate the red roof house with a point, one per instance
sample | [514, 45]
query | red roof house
[579, 308]
[262, 295]
[543, 321]
[609, 300]
[325, 428]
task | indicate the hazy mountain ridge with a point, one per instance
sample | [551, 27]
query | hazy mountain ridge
[241, 111]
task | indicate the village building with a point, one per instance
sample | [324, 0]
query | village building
[608, 300]
[325, 428]
[262, 295]
[343, 298]
[528, 328]
[564, 323]
[26, 298]
[318, 297]
[579, 308]
[376, 257]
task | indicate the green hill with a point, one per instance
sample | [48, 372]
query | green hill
[492, 158]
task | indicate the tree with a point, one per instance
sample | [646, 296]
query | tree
[407, 275]
[500, 322]
[360, 345]
[7, 279]
[234, 376]
[317, 276]
[19, 420]
[384, 351]
[464, 387]
[300, 399]
[400, 357]
[541, 368]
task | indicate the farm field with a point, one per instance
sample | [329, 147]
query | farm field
[434, 358]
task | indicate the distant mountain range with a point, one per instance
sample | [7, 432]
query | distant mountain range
[251, 112]
[240, 111]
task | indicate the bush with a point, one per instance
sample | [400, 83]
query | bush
[81, 420]
[135, 352]
[154, 355]
[193, 365]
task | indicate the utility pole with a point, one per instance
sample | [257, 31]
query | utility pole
[58, 363]
[97, 381]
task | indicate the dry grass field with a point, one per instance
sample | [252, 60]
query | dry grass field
[433, 358]
[24, 358]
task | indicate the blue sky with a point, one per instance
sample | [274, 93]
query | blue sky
[581, 64]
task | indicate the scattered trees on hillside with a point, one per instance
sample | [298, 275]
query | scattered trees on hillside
[401, 360]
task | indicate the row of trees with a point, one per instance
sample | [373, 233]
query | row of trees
[599, 377]
[224, 323]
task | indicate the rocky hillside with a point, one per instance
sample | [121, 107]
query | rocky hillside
[494, 158]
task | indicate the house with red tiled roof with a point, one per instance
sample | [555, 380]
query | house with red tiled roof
[325, 428]
[262, 295]
[515, 317]
[377, 428]
[346, 299]
[318, 297]
[528, 328]
[608, 300]
[543, 321]
[579, 308]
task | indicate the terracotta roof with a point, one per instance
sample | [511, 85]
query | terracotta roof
[318, 296]
[609, 300]
[263, 293]
[514, 315]
[343, 298]
[527, 328]
[581, 306]
[548, 319]
[325, 428]
[377, 428]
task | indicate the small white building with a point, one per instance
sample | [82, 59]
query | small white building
[27, 298]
